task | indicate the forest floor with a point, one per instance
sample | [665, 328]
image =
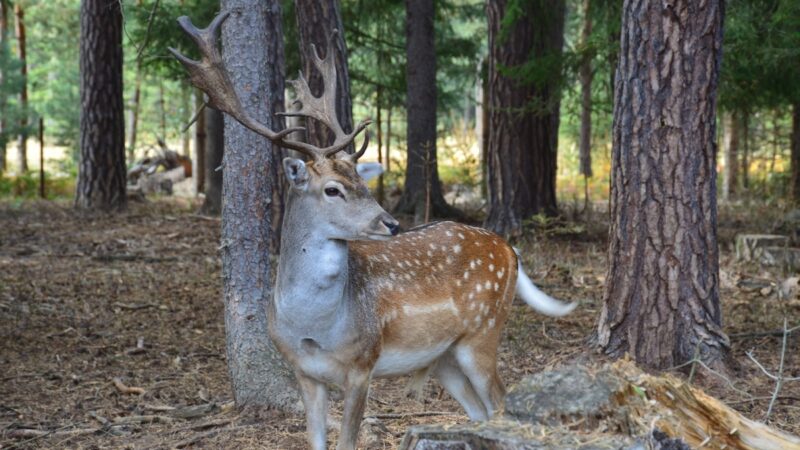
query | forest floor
[112, 333]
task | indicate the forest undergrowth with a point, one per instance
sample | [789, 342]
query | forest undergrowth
[113, 337]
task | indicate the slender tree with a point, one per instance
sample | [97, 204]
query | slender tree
[101, 177]
[422, 193]
[252, 42]
[661, 302]
[4, 57]
[795, 154]
[586, 74]
[317, 20]
[730, 177]
[523, 114]
[22, 139]
[214, 145]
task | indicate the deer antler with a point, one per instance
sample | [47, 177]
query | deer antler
[323, 108]
[210, 75]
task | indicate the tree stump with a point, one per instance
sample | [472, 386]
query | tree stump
[612, 406]
[750, 246]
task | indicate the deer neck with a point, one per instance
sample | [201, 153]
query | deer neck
[312, 280]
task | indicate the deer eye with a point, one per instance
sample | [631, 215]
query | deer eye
[332, 192]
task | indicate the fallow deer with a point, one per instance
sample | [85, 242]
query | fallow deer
[353, 298]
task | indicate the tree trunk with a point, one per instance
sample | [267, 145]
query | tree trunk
[4, 52]
[586, 75]
[661, 302]
[745, 124]
[186, 116]
[522, 144]
[422, 190]
[316, 22]
[162, 107]
[134, 114]
[795, 143]
[101, 177]
[252, 42]
[730, 178]
[214, 151]
[199, 165]
[22, 139]
[379, 127]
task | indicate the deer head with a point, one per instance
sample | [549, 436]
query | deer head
[331, 187]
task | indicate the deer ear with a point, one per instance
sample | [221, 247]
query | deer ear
[296, 173]
[369, 170]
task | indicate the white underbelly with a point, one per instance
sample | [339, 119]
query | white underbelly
[399, 361]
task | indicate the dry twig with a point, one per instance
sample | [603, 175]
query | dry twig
[125, 389]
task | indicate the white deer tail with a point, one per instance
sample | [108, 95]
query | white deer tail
[537, 299]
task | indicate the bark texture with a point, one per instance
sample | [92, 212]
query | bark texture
[252, 41]
[214, 141]
[730, 177]
[22, 138]
[585, 75]
[3, 101]
[199, 163]
[522, 142]
[795, 143]
[422, 187]
[316, 22]
[101, 177]
[661, 302]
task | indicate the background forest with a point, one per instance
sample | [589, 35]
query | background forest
[757, 97]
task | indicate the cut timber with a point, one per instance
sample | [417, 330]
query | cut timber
[612, 406]
[750, 246]
[788, 257]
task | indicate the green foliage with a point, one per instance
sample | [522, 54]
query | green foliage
[53, 28]
[761, 54]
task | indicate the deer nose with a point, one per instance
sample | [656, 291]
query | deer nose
[392, 225]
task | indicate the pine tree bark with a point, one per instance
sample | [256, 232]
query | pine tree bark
[22, 138]
[730, 178]
[795, 151]
[134, 113]
[316, 22]
[585, 74]
[252, 42]
[214, 150]
[522, 143]
[4, 50]
[422, 188]
[199, 161]
[101, 177]
[661, 303]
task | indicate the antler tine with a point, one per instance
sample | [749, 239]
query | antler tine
[210, 76]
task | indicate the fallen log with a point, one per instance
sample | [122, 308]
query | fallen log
[611, 406]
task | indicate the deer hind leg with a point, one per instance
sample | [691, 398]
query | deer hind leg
[480, 367]
[450, 375]
[356, 390]
[315, 400]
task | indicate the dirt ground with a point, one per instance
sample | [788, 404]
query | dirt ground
[113, 337]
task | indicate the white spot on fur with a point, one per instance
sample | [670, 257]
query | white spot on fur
[448, 233]
[491, 255]
[488, 285]
[460, 235]
[478, 287]
[472, 264]
[491, 323]
[385, 258]
[449, 259]
[471, 295]
[456, 249]
[458, 283]
[466, 275]
[500, 273]
[430, 254]
[496, 287]
[491, 267]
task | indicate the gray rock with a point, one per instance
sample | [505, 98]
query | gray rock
[566, 395]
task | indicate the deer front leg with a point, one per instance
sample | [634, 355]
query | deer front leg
[355, 399]
[315, 400]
